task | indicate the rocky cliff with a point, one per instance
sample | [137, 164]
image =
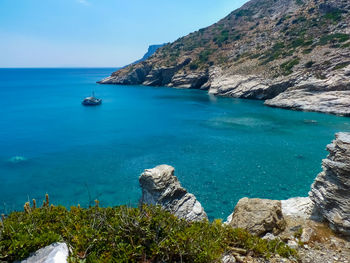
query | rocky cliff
[331, 190]
[293, 53]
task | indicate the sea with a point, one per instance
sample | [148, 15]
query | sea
[222, 149]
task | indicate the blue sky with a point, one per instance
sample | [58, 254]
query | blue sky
[97, 33]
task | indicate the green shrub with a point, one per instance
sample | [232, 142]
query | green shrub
[275, 52]
[204, 55]
[243, 12]
[287, 67]
[124, 234]
[222, 37]
[337, 37]
[334, 15]
[341, 65]
[193, 66]
[309, 64]
[308, 50]
[346, 45]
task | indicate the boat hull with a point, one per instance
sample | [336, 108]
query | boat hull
[92, 102]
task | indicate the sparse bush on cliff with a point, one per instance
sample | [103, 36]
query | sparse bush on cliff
[124, 234]
[288, 66]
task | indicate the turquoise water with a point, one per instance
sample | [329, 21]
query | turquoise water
[223, 149]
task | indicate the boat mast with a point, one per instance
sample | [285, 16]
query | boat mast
[92, 91]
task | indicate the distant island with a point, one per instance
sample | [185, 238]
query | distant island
[293, 54]
[151, 50]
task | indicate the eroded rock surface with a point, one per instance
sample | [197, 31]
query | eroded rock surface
[301, 207]
[331, 190]
[329, 95]
[243, 86]
[161, 187]
[258, 216]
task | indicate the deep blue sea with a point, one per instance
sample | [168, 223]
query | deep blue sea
[223, 149]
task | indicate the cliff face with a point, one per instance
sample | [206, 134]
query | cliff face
[276, 50]
[331, 190]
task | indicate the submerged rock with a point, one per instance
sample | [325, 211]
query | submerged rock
[161, 187]
[55, 253]
[331, 190]
[258, 216]
[17, 159]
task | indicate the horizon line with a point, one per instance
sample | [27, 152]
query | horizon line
[56, 67]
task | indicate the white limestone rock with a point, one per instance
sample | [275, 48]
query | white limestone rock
[330, 95]
[55, 253]
[242, 86]
[161, 187]
[301, 207]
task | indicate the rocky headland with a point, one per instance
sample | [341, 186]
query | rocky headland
[295, 54]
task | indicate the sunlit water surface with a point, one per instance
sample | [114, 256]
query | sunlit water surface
[223, 149]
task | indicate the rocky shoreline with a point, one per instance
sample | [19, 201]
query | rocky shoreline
[298, 92]
[317, 226]
[291, 54]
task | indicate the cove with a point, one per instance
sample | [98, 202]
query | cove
[223, 149]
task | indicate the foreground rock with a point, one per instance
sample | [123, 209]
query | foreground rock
[300, 207]
[331, 190]
[258, 216]
[161, 187]
[55, 253]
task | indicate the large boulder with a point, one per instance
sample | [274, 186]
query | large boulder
[331, 190]
[258, 216]
[161, 187]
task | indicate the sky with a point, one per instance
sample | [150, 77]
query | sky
[97, 33]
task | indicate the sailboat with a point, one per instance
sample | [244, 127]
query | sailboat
[91, 101]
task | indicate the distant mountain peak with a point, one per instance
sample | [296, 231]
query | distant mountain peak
[151, 50]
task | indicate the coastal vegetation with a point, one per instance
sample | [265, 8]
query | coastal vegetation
[126, 234]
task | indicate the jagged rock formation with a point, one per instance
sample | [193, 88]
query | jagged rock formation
[293, 53]
[331, 190]
[258, 216]
[161, 187]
